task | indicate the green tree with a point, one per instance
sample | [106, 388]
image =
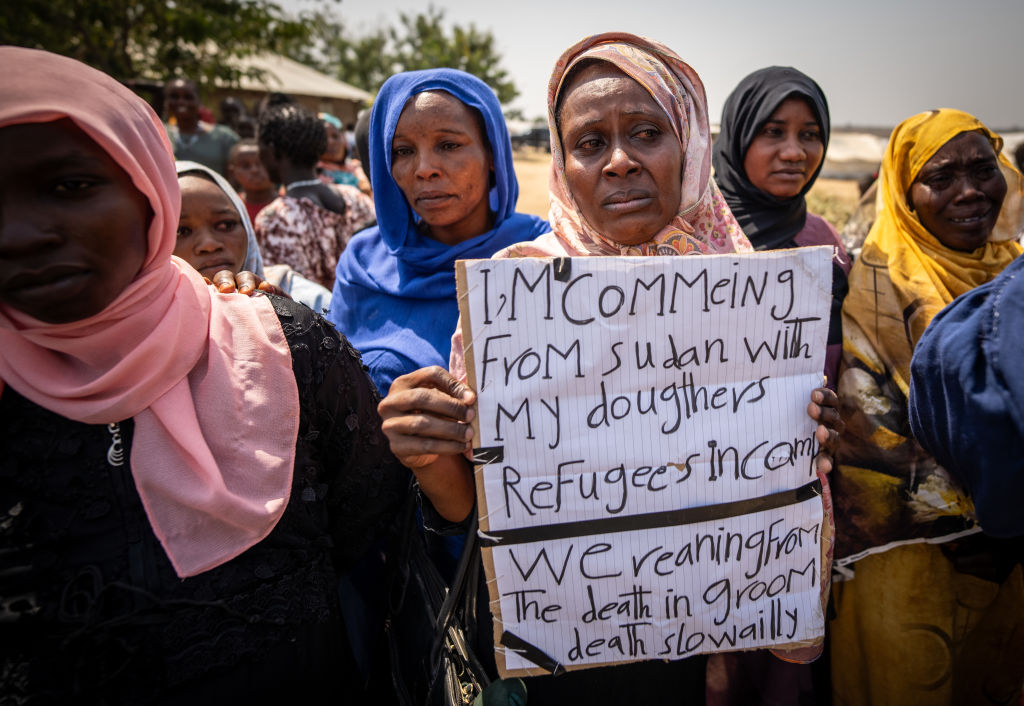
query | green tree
[422, 43]
[418, 41]
[152, 38]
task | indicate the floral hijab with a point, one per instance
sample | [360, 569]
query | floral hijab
[704, 223]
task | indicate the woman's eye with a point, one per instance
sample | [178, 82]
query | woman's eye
[648, 133]
[771, 132]
[811, 135]
[184, 231]
[73, 185]
[939, 181]
[401, 151]
[227, 225]
[987, 172]
[589, 143]
[449, 146]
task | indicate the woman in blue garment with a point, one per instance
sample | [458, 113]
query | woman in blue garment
[444, 188]
[440, 165]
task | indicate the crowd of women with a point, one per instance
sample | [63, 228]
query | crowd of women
[198, 489]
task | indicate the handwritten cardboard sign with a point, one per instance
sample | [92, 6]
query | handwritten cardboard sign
[645, 476]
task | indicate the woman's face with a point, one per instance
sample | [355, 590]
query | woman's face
[959, 191]
[441, 161]
[787, 151]
[336, 144]
[72, 225]
[623, 163]
[211, 235]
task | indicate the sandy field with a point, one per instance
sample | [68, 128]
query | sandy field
[834, 199]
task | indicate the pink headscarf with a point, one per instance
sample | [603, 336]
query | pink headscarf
[207, 377]
[704, 223]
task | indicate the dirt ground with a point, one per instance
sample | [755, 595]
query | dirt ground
[833, 199]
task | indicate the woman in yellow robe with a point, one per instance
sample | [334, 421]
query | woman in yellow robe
[934, 613]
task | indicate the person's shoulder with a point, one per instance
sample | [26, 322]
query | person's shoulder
[274, 210]
[530, 224]
[545, 245]
[224, 133]
[352, 194]
[819, 229]
[290, 311]
[309, 332]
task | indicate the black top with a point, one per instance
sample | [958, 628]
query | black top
[91, 610]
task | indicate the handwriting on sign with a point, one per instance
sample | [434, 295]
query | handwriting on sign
[653, 493]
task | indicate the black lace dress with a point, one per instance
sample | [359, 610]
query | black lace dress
[91, 611]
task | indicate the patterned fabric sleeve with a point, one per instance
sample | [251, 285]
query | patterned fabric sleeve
[359, 209]
[309, 238]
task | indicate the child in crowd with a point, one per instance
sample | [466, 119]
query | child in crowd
[246, 171]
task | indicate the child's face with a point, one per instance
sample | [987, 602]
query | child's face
[248, 171]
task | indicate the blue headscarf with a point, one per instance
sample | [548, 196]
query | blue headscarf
[394, 292]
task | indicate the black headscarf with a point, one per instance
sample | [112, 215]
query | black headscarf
[769, 222]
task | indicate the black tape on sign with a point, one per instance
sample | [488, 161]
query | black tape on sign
[531, 652]
[651, 520]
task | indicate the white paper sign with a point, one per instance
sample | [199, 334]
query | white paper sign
[646, 483]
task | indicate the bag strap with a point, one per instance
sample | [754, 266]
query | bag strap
[460, 604]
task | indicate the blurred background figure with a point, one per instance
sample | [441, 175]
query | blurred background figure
[191, 137]
[361, 135]
[337, 165]
[232, 110]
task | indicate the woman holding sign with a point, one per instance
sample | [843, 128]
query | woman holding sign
[631, 175]
[950, 628]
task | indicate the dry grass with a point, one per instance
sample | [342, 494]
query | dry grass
[532, 170]
[832, 199]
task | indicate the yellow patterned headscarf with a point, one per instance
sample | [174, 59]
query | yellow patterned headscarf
[926, 275]
[704, 223]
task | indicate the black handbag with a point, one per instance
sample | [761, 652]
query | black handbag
[430, 625]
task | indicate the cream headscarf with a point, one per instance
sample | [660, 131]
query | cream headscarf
[206, 377]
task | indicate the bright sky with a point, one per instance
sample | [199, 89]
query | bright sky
[878, 61]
